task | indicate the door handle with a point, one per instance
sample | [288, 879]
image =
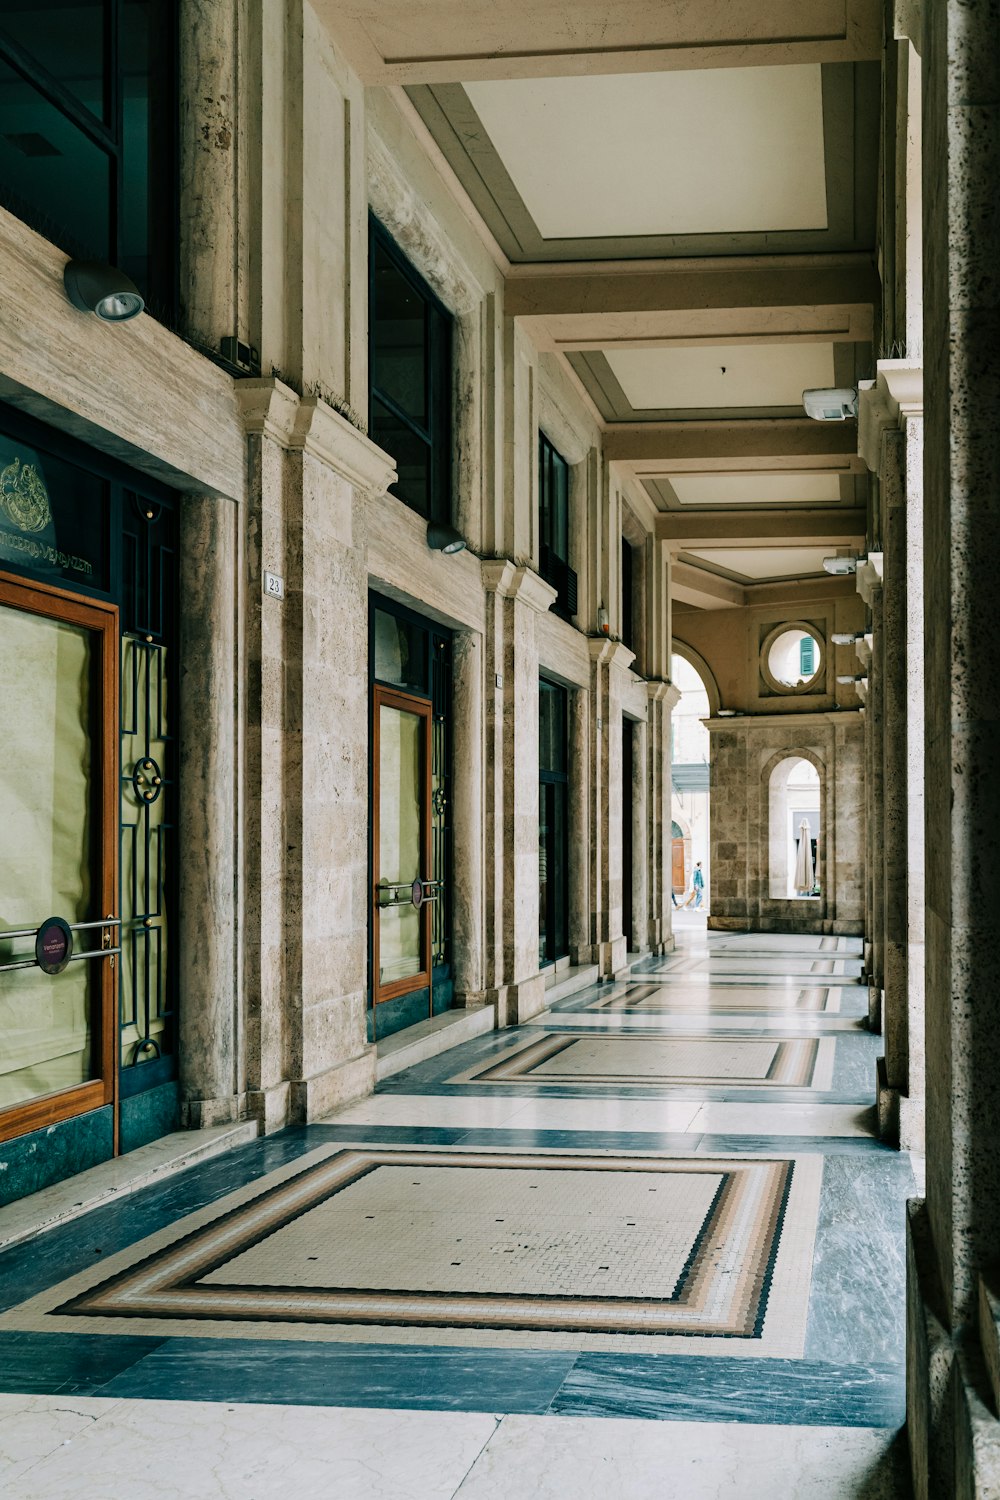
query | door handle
[53, 927]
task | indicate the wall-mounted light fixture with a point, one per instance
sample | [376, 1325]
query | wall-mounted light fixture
[831, 404]
[603, 621]
[95, 287]
[444, 538]
[842, 565]
[847, 638]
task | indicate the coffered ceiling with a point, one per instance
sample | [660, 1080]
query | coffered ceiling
[684, 196]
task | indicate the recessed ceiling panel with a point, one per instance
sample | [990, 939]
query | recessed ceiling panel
[725, 150]
[721, 377]
[756, 489]
[756, 563]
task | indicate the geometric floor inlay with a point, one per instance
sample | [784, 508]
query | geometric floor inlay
[586, 1060]
[540, 1248]
[663, 997]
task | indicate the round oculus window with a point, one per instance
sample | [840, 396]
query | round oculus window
[791, 658]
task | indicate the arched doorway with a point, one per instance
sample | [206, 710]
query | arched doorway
[794, 822]
[689, 758]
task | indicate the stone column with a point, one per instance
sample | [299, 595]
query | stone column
[468, 883]
[207, 947]
[661, 697]
[306, 777]
[953, 1348]
[609, 661]
[638, 939]
[890, 433]
[581, 945]
[869, 577]
[518, 989]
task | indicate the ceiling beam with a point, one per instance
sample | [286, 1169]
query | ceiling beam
[747, 284]
[660, 447]
[691, 585]
[761, 528]
[393, 41]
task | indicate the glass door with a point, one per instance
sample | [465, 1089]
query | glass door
[403, 890]
[58, 878]
[553, 823]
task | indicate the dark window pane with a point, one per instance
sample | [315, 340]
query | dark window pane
[553, 501]
[551, 727]
[412, 454]
[51, 175]
[399, 339]
[67, 39]
[400, 652]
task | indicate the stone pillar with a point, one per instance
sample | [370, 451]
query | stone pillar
[581, 946]
[890, 432]
[661, 696]
[609, 662]
[869, 577]
[306, 930]
[638, 939]
[953, 1353]
[518, 989]
[468, 884]
[206, 950]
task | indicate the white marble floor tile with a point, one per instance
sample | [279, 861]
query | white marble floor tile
[605, 1114]
[549, 1458]
[783, 1119]
[428, 1109]
[161, 1450]
[792, 1022]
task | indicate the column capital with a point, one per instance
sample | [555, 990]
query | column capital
[504, 577]
[658, 691]
[271, 409]
[869, 577]
[890, 400]
[612, 653]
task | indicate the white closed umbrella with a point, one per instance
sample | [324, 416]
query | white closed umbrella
[804, 861]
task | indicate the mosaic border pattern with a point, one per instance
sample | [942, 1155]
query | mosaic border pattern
[635, 996]
[721, 1293]
[793, 1065]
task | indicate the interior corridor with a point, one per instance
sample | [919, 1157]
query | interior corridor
[646, 1245]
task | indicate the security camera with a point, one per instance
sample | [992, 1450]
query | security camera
[834, 405]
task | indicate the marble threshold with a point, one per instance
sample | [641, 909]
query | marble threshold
[404, 1049]
[117, 1178]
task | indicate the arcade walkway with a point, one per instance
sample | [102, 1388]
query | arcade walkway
[646, 1246]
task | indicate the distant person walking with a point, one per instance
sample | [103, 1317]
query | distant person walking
[697, 888]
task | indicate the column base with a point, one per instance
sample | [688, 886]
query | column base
[930, 1357]
[875, 1005]
[270, 1106]
[201, 1114]
[900, 1118]
[517, 1003]
[312, 1098]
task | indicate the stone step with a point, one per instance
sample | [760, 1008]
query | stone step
[117, 1178]
[571, 982]
[429, 1038]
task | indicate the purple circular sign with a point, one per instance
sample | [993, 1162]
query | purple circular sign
[53, 945]
[417, 893]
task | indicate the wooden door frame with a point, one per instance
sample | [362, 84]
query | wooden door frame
[102, 618]
[422, 708]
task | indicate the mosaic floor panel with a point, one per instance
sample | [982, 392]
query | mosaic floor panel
[540, 1249]
[587, 1060]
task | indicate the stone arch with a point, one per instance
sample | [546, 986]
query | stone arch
[704, 671]
[774, 831]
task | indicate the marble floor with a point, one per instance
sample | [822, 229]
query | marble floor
[647, 1244]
